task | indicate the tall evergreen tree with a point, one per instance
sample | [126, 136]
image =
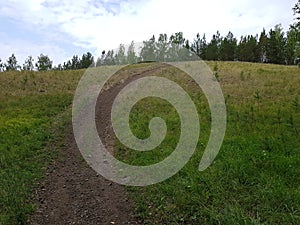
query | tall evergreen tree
[276, 45]
[228, 48]
[87, 60]
[290, 48]
[248, 49]
[213, 47]
[75, 62]
[262, 46]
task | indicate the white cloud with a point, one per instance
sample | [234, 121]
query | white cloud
[107, 23]
[22, 49]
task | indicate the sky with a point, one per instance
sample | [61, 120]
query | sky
[63, 28]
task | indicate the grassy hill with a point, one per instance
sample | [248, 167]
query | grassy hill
[254, 179]
[34, 108]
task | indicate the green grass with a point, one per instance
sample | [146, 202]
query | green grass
[34, 109]
[255, 179]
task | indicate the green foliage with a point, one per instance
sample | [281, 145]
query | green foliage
[43, 63]
[12, 63]
[162, 46]
[257, 96]
[120, 58]
[29, 120]
[216, 71]
[131, 55]
[295, 35]
[28, 64]
[75, 63]
[148, 50]
[87, 60]
[24, 130]
[276, 46]
[200, 46]
[212, 50]
[1, 65]
[291, 43]
[228, 48]
[296, 10]
[109, 58]
[296, 103]
[248, 49]
[254, 179]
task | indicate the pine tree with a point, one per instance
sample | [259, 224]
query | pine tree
[262, 47]
[87, 60]
[276, 45]
[248, 49]
[228, 48]
[213, 47]
[290, 53]
[75, 62]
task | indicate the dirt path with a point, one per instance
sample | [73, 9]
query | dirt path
[72, 193]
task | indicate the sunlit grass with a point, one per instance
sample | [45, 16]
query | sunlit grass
[34, 109]
[255, 177]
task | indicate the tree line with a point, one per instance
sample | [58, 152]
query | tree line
[44, 63]
[275, 46]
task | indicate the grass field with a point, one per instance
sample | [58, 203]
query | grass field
[254, 179]
[256, 176]
[34, 109]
